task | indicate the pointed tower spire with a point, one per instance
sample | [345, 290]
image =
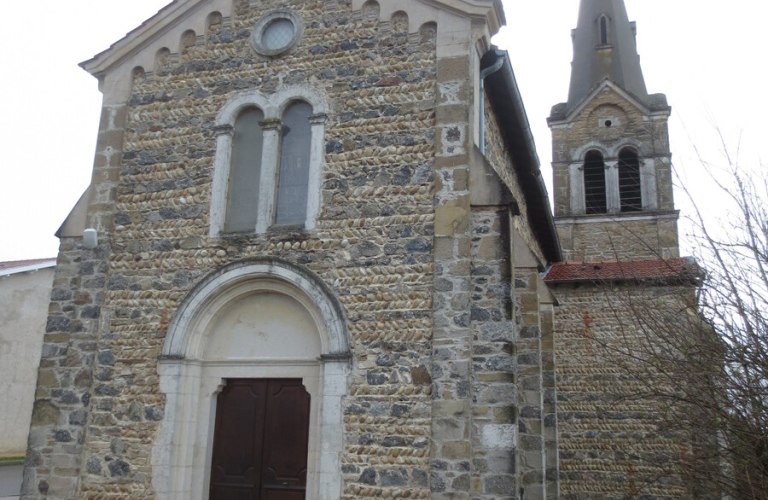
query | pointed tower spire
[604, 46]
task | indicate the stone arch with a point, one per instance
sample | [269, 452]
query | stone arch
[188, 41]
[213, 24]
[182, 341]
[162, 57]
[191, 377]
[274, 104]
[428, 32]
[581, 153]
[371, 11]
[138, 76]
[399, 22]
[638, 147]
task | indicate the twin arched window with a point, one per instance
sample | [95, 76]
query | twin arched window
[267, 172]
[598, 183]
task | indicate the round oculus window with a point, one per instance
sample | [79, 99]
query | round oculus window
[278, 34]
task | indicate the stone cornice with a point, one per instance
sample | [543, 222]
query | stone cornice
[492, 11]
[139, 37]
[558, 122]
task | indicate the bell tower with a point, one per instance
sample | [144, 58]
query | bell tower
[611, 155]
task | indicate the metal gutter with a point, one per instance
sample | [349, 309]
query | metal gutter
[483, 75]
[504, 96]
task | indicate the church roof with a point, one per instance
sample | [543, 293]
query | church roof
[681, 269]
[605, 47]
[22, 266]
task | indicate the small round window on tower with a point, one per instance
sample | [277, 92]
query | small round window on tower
[608, 123]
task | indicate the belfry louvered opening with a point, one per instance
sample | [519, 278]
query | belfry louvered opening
[594, 183]
[630, 191]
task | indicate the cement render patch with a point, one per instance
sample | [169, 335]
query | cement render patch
[10, 481]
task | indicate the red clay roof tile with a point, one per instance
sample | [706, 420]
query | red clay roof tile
[662, 269]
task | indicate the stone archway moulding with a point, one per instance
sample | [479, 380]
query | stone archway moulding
[182, 332]
[181, 456]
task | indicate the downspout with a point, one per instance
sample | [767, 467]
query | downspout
[535, 166]
[483, 74]
[521, 139]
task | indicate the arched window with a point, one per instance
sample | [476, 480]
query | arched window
[268, 165]
[630, 191]
[245, 173]
[603, 30]
[293, 177]
[594, 183]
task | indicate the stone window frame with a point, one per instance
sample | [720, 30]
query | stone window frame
[648, 189]
[261, 26]
[606, 33]
[191, 384]
[273, 106]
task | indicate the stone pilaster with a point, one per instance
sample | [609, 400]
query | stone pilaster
[452, 338]
[530, 383]
[549, 381]
[494, 388]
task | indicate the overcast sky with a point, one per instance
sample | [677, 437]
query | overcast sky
[707, 56]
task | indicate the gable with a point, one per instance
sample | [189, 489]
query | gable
[616, 95]
[167, 29]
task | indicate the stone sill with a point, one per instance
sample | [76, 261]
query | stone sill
[588, 219]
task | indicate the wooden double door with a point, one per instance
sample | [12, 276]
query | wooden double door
[261, 441]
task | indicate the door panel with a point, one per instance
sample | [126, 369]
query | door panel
[261, 441]
[238, 443]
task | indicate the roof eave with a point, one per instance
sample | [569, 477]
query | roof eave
[100, 64]
[504, 96]
[28, 269]
[490, 10]
[682, 280]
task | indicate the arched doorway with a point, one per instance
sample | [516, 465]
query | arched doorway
[255, 323]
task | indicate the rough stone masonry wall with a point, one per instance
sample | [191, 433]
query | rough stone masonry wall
[373, 247]
[622, 239]
[610, 445]
[499, 157]
[494, 362]
[63, 397]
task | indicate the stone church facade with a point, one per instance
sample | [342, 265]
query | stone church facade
[317, 260]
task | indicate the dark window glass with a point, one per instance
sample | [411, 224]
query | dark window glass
[293, 178]
[629, 182]
[603, 31]
[242, 196]
[594, 183]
